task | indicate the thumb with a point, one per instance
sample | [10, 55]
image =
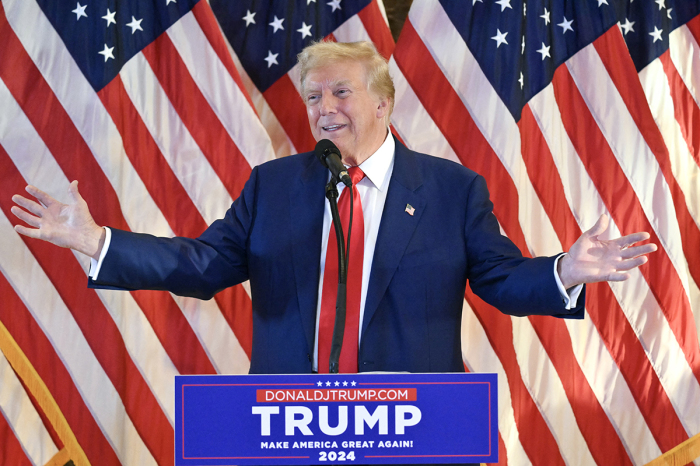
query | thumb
[600, 226]
[73, 192]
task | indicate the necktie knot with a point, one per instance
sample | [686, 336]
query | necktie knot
[356, 174]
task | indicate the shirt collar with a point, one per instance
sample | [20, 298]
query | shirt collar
[378, 164]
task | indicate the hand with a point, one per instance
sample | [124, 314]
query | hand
[592, 259]
[66, 225]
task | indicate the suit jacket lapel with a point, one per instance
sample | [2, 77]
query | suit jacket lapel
[306, 206]
[396, 228]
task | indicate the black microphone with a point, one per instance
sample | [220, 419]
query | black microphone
[329, 155]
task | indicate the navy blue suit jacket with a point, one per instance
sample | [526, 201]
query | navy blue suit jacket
[271, 235]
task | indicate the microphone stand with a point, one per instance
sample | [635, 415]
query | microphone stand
[341, 299]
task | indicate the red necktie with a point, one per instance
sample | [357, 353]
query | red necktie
[348, 354]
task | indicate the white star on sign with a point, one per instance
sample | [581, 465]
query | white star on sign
[79, 11]
[504, 4]
[337, 384]
[544, 51]
[627, 27]
[335, 4]
[320, 384]
[352, 383]
[304, 30]
[277, 24]
[249, 18]
[661, 3]
[345, 383]
[521, 80]
[107, 52]
[271, 59]
[110, 17]
[566, 25]
[545, 16]
[135, 25]
[656, 34]
[500, 38]
[328, 384]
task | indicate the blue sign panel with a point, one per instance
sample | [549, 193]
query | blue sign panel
[336, 418]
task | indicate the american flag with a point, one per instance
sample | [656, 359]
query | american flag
[142, 103]
[146, 105]
[544, 99]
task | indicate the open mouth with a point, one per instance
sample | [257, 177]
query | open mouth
[331, 128]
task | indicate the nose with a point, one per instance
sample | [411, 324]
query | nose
[328, 103]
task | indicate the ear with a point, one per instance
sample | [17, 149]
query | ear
[383, 107]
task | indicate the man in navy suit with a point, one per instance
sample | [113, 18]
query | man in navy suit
[428, 229]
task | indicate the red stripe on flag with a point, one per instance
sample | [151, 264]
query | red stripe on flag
[603, 309]
[377, 29]
[98, 328]
[622, 72]
[11, 451]
[31, 339]
[207, 21]
[686, 109]
[536, 438]
[66, 144]
[283, 98]
[197, 115]
[457, 126]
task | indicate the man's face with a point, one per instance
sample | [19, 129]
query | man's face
[341, 109]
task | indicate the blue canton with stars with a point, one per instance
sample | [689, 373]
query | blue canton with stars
[520, 43]
[103, 35]
[646, 25]
[267, 35]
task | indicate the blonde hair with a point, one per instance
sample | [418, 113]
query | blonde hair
[324, 53]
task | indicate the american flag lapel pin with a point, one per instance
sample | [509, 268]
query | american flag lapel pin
[410, 209]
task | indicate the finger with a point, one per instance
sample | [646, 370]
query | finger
[629, 240]
[638, 250]
[30, 232]
[73, 191]
[31, 206]
[600, 226]
[630, 264]
[43, 197]
[25, 216]
[618, 277]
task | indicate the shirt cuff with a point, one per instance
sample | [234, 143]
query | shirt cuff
[95, 265]
[570, 296]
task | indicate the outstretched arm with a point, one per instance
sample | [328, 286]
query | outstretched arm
[592, 259]
[66, 225]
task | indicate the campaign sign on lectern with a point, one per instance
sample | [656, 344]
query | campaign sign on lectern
[375, 418]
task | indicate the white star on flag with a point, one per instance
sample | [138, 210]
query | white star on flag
[107, 52]
[500, 38]
[545, 16]
[335, 4]
[109, 17]
[277, 24]
[305, 30]
[566, 25]
[135, 25]
[544, 50]
[271, 58]
[79, 11]
[627, 27]
[661, 3]
[249, 18]
[656, 34]
[504, 4]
